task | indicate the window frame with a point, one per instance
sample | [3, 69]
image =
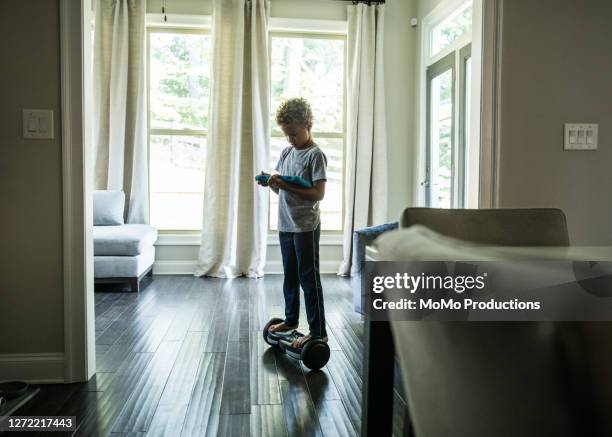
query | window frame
[456, 50]
[277, 25]
[335, 32]
[189, 26]
[433, 71]
[453, 9]
[464, 54]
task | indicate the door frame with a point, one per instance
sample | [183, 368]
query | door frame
[461, 159]
[490, 128]
[77, 177]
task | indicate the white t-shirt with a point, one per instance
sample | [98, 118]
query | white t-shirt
[294, 213]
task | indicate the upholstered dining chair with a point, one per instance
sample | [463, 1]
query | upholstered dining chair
[478, 379]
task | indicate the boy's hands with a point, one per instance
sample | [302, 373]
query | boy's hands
[261, 182]
[273, 181]
[276, 182]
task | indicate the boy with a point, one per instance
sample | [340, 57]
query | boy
[298, 218]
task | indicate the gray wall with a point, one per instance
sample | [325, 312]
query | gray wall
[401, 54]
[424, 7]
[557, 68]
[31, 297]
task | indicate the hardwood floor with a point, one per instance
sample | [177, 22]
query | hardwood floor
[186, 357]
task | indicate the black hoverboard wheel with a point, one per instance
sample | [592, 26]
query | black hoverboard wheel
[315, 353]
[271, 340]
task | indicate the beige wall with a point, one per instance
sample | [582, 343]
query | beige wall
[557, 68]
[31, 297]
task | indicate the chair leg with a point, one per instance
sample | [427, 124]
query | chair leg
[377, 389]
[135, 285]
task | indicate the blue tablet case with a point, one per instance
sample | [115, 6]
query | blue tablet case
[295, 180]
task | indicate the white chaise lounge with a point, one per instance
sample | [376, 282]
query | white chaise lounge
[123, 253]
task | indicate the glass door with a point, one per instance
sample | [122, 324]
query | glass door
[441, 154]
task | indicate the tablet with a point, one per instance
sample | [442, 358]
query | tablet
[294, 180]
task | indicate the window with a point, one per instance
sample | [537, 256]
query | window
[447, 80]
[313, 66]
[178, 119]
[451, 29]
[440, 162]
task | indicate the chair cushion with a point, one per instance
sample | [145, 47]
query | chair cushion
[123, 266]
[108, 207]
[123, 240]
[362, 238]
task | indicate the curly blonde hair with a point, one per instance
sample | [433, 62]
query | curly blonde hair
[294, 111]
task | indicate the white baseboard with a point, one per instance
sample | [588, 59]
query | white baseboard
[273, 267]
[174, 267]
[32, 368]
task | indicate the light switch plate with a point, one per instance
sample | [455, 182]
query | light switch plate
[580, 136]
[38, 124]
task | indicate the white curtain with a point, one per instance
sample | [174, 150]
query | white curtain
[119, 118]
[235, 223]
[366, 176]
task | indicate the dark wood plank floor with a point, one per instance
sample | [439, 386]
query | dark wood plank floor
[186, 357]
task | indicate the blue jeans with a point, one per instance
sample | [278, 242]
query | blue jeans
[300, 251]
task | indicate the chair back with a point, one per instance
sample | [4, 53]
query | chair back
[503, 379]
[504, 227]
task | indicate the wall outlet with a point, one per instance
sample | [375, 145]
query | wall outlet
[38, 124]
[580, 136]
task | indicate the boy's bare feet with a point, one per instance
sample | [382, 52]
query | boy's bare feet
[301, 340]
[281, 327]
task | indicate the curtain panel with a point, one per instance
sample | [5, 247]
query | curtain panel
[119, 103]
[366, 164]
[235, 219]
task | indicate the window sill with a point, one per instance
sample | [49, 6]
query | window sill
[179, 238]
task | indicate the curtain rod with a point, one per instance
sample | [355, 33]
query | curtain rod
[369, 2]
